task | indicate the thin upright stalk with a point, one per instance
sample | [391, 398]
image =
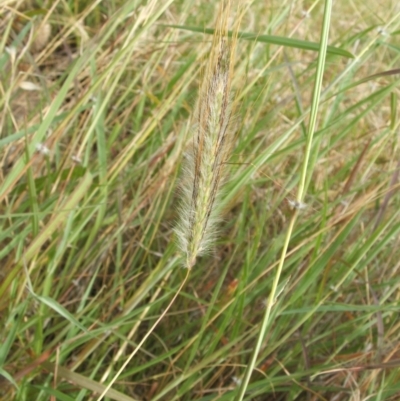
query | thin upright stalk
[300, 195]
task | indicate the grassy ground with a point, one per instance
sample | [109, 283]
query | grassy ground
[95, 116]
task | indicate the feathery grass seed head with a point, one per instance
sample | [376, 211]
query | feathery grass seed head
[203, 170]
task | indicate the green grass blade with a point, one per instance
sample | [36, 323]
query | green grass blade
[271, 39]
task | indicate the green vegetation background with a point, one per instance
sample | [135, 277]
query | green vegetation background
[95, 116]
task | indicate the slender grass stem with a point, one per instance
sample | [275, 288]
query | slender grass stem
[300, 195]
[148, 333]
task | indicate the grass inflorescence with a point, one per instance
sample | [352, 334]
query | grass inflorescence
[213, 135]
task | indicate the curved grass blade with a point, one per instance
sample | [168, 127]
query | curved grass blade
[85, 382]
[272, 39]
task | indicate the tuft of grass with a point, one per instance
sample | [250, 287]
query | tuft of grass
[95, 109]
